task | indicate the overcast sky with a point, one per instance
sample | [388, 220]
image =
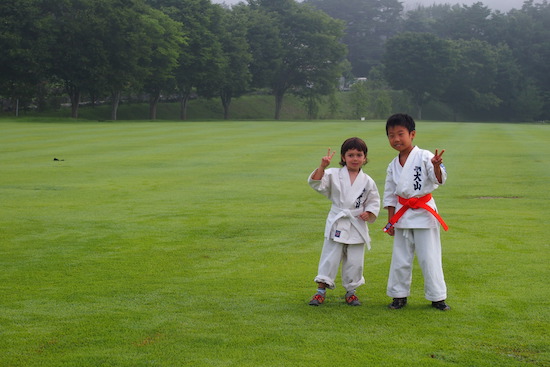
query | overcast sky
[502, 5]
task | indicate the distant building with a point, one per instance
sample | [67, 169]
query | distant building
[345, 84]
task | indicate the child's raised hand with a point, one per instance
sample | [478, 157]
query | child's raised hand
[437, 160]
[325, 161]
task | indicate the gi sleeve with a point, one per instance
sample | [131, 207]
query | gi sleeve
[322, 186]
[372, 203]
[390, 198]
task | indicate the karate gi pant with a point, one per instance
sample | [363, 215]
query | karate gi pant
[427, 244]
[352, 258]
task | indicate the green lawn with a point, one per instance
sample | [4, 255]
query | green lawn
[196, 244]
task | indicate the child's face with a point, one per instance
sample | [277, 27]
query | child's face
[354, 159]
[401, 139]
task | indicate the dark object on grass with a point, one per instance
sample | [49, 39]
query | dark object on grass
[398, 303]
[441, 305]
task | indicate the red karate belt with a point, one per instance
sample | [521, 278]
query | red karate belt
[414, 203]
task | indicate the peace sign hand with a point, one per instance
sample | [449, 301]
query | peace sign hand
[325, 161]
[437, 160]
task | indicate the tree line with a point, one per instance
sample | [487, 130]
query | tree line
[470, 58]
[178, 48]
[478, 62]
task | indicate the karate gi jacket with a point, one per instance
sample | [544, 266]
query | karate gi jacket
[415, 179]
[348, 201]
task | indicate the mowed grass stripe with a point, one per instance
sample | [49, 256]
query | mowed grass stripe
[182, 243]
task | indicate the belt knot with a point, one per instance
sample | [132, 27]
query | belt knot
[414, 203]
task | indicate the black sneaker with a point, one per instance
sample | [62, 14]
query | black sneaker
[441, 305]
[398, 303]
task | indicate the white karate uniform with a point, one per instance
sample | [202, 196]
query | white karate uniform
[417, 230]
[345, 233]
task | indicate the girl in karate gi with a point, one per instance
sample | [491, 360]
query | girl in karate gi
[355, 201]
[413, 218]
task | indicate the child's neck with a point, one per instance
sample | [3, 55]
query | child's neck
[404, 155]
[353, 175]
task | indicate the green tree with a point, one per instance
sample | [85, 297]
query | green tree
[360, 99]
[129, 45]
[201, 59]
[426, 19]
[333, 104]
[264, 38]
[419, 63]
[382, 105]
[473, 80]
[507, 82]
[450, 22]
[464, 22]
[368, 25]
[23, 49]
[98, 45]
[76, 54]
[235, 75]
[311, 102]
[369, 102]
[520, 37]
[166, 40]
[530, 103]
[527, 33]
[308, 55]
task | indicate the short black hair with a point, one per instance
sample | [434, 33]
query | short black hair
[353, 143]
[401, 119]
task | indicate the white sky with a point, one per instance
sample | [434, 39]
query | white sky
[502, 5]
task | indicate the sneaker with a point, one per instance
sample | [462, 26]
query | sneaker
[398, 303]
[317, 299]
[352, 300]
[441, 305]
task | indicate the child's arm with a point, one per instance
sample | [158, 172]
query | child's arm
[437, 161]
[325, 161]
[371, 205]
[391, 212]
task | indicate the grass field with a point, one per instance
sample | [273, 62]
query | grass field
[196, 244]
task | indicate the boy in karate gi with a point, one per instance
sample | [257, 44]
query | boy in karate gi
[355, 201]
[413, 218]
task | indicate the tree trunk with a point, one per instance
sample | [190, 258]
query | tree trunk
[114, 104]
[153, 103]
[278, 105]
[183, 106]
[226, 102]
[93, 99]
[419, 101]
[74, 95]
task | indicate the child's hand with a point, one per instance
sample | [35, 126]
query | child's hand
[325, 161]
[391, 231]
[437, 160]
[366, 216]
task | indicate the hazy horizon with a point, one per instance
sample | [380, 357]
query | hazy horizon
[502, 5]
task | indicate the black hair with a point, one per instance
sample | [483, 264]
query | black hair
[401, 119]
[353, 143]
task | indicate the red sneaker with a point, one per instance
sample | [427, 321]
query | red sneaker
[352, 300]
[317, 299]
